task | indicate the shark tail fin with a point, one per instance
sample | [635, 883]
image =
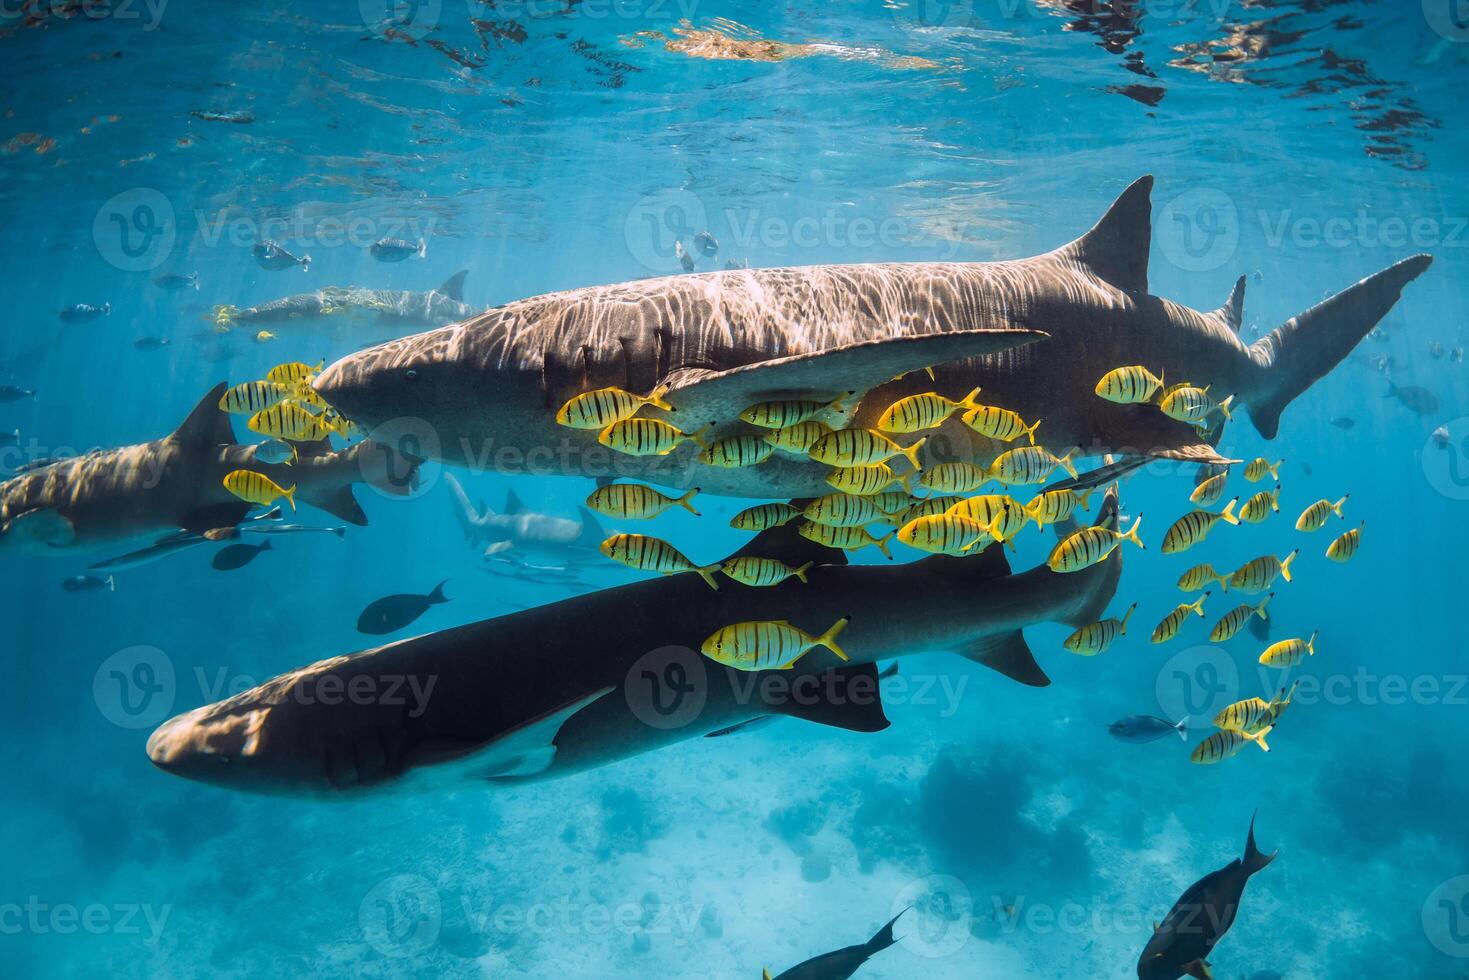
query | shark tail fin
[1095, 587]
[1301, 351]
[437, 595]
[1254, 860]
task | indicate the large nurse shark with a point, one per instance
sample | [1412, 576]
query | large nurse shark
[177, 484]
[1036, 334]
[604, 676]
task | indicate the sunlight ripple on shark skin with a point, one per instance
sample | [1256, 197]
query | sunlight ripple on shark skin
[1035, 334]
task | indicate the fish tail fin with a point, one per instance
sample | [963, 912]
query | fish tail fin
[1260, 609]
[305, 263]
[906, 482]
[800, 573]
[656, 399]
[1336, 507]
[1131, 534]
[911, 453]
[1067, 465]
[1301, 351]
[111, 583]
[700, 438]
[1092, 590]
[437, 595]
[884, 937]
[1254, 860]
[1275, 468]
[1285, 565]
[1030, 430]
[882, 544]
[707, 574]
[1223, 581]
[1122, 623]
[1198, 604]
[1182, 729]
[968, 401]
[422, 248]
[290, 496]
[829, 638]
[1224, 407]
[686, 502]
[1311, 643]
[1227, 514]
[1259, 737]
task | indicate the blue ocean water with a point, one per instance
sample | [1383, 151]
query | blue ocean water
[546, 145]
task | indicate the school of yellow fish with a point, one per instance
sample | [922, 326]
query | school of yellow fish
[936, 510]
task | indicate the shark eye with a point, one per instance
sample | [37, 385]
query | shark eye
[411, 374]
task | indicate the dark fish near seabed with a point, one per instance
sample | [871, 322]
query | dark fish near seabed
[10, 393]
[173, 282]
[88, 583]
[396, 249]
[1344, 422]
[1141, 729]
[238, 556]
[151, 343]
[392, 613]
[706, 243]
[271, 255]
[841, 963]
[1181, 943]
[84, 312]
[1416, 399]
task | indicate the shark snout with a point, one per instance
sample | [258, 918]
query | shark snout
[205, 745]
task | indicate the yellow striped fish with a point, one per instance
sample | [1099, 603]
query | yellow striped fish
[892, 502]
[1029, 464]
[1254, 714]
[1168, 628]
[861, 447]
[294, 372]
[999, 424]
[1233, 621]
[784, 414]
[763, 517]
[1207, 494]
[1133, 385]
[649, 554]
[1259, 466]
[600, 408]
[1258, 574]
[1261, 506]
[1186, 403]
[1225, 745]
[1201, 575]
[1084, 548]
[768, 644]
[761, 572]
[1095, 638]
[291, 422]
[648, 437]
[845, 538]
[927, 507]
[257, 488]
[636, 501]
[1056, 505]
[918, 412]
[734, 452]
[307, 396]
[865, 480]
[945, 534]
[1314, 518]
[843, 510]
[1289, 653]
[1344, 547]
[1194, 526]
[254, 396]
[798, 438]
[958, 477]
[1005, 513]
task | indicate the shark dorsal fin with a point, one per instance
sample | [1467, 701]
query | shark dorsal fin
[453, 287]
[1233, 310]
[512, 503]
[1116, 250]
[592, 533]
[207, 425]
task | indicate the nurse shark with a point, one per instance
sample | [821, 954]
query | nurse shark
[176, 483]
[1035, 334]
[600, 677]
[337, 307]
[524, 535]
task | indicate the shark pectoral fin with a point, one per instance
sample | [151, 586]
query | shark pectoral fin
[496, 547]
[719, 396]
[844, 697]
[44, 527]
[213, 517]
[1198, 969]
[529, 750]
[341, 503]
[1010, 655]
[1196, 452]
